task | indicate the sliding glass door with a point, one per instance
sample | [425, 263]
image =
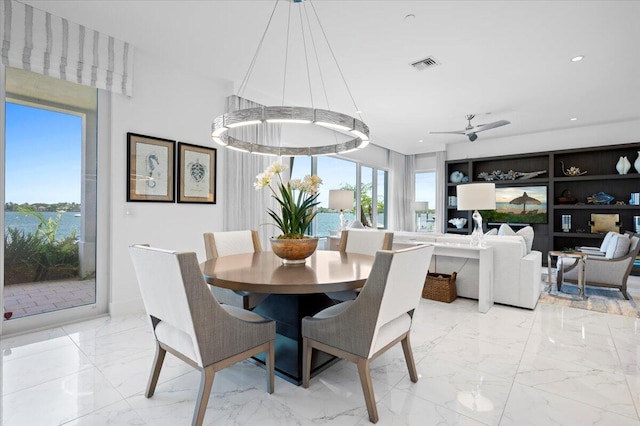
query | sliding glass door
[50, 198]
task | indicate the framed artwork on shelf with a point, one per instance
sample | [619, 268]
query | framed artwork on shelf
[603, 223]
[150, 165]
[196, 174]
[519, 204]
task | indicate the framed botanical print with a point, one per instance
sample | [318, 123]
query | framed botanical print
[151, 165]
[196, 174]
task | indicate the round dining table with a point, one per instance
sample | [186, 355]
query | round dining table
[295, 291]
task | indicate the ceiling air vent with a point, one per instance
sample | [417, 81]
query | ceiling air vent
[423, 64]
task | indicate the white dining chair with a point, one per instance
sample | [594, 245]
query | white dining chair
[227, 243]
[381, 316]
[189, 323]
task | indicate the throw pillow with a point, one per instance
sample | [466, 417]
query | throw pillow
[528, 234]
[618, 247]
[506, 230]
[607, 240]
[492, 231]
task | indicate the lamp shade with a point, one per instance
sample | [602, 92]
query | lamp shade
[421, 206]
[340, 199]
[476, 196]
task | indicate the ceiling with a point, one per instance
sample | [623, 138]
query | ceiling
[499, 60]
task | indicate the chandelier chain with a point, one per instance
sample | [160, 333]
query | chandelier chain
[334, 57]
[306, 57]
[315, 52]
[286, 55]
[245, 80]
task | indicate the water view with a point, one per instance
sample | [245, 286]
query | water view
[69, 222]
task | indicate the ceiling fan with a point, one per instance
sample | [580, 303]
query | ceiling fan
[470, 131]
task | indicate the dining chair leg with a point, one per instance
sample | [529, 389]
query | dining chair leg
[307, 351]
[271, 356]
[155, 370]
[367, 389]
[408, 357]
[206, 382]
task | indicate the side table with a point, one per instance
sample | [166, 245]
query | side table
[571, 255]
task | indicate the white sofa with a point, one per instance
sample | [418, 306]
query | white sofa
[517, 274]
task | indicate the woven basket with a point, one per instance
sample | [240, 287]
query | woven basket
[440, 287]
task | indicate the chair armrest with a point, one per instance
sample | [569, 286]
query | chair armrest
[608, 270]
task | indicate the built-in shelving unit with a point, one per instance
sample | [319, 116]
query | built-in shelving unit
[601, 176]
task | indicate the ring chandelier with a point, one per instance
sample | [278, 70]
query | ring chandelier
[286, 114]
[333, 120]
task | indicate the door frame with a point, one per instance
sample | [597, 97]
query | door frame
[102, 261]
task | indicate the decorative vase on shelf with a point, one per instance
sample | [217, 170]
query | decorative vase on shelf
[637, 163]
[456, 177]
[293, 251]
[623, 165]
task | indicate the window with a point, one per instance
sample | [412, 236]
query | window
[337, 173]
[426, 191]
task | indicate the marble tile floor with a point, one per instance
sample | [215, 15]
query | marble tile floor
[550, 366]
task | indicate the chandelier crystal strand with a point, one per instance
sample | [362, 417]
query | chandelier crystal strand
[341, 122]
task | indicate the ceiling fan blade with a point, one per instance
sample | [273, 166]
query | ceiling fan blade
[457, 132]
[493, 125]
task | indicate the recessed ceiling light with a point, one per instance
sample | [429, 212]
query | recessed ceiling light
[420, 141]
[577, 58]
[574, 119]
[410, 17]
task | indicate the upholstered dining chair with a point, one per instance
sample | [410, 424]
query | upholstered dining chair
[363, 241]
[360, 241]
[611, 270]
[360, 330]
[228, 243]
[189, 323]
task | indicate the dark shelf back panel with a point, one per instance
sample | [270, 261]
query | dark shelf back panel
[602, 176]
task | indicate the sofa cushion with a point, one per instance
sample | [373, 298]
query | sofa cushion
[506, 230]
[528, 234]
[493, 231]
[617, 247]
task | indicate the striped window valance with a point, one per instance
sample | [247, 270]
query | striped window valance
[37, 41]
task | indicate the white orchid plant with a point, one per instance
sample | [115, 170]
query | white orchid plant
[297, 199]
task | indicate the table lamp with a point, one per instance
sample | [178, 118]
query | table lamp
[477, 196]
[341, 199]
[420, 206]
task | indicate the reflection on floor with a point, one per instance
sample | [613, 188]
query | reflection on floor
[46, 296]
[554, 365]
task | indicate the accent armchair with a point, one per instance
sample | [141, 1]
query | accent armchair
[189, 323]
[603, 272]
[218, 244]
[360, 330]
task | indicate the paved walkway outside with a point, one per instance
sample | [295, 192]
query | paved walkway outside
[46, 296]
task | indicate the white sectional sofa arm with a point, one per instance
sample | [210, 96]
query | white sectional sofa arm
[530, 273]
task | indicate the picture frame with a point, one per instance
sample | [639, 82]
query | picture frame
[519, 204]
[150, 168]
[196, 174]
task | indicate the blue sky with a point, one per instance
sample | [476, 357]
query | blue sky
[43, 155]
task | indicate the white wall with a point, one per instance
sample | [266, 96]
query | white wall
[426, 162]
[608, 134]
[172, 104]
